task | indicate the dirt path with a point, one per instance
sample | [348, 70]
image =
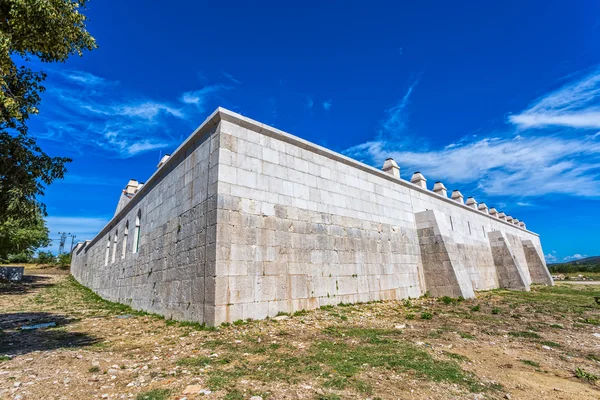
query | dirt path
[501, 345]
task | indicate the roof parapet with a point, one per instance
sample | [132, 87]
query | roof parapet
[419, 180]
[163, 160]
[440, 189]
[390, 167]
[483, 208]
[471, 202]
[458, 197]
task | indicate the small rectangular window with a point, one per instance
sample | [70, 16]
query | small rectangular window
[469, 224]
[451, 223]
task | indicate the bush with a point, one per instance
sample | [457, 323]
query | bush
[46, 257]
[64, 260]
[23, 257]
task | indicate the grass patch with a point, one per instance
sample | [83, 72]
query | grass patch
[524, 334]
[379, 350]
[156, 394]
[586, 376]
[426, 315]
[496, 311]
[455, 356]
[550, 344]
[530, 363]
[94, 369]
[466, 336]
[476, 308]
[4, 358]
[199, 361]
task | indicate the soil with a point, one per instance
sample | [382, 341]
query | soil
[544, 344]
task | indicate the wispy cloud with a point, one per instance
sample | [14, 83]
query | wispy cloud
[231, 78]
[309, 103]
[84, 228]
[574, 257]
[90, 113]
[396, 116]
[327, 105]
[516, 163]
[200, 97]
[524, 204]
[575, 105]
[550, 258]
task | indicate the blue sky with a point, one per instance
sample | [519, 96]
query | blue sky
[500, 100]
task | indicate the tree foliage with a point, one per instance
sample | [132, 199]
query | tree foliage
[18, 236]
[50, 31]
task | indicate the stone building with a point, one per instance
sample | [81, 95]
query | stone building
[245, 221]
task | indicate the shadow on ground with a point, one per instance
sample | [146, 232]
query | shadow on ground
[26, 285]
[15, 341]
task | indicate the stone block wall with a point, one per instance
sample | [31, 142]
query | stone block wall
[245, 221]
[172, 271]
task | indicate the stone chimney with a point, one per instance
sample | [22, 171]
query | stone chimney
[483, 208]
[140, 186]
[390, 167]
[522, 225]
[502, 216]
[471, 203]
[440, 189]
[457, 196]
[493, 212]
[419, 180]
[163, 160]
[132, 187]
[515, 222]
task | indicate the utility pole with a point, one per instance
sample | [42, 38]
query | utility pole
[72, 242]
[63, 239]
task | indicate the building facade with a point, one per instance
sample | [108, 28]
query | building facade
[245, 221]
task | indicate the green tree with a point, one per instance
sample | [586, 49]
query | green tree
[50, 31]
[23, 236]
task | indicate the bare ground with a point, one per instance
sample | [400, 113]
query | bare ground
[544, 344]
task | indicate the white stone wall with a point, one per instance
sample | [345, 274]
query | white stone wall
[172, 273]
[245, 221]
[300, 226]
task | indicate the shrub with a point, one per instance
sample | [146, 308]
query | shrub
[45, 257]
[23, 257]
[426, 315]
[496, 311]
[64, 260]
[476, 308]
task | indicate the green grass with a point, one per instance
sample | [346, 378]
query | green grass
[199, 361]
[550, 344]
[94, 369]
[586, 376]
[476, 308]
[4, 358]
[466, 336]
[426, 315]
[524, 334]
[155, 394]
[531, 363]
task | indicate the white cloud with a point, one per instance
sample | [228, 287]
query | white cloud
[575, 105]
[523, 166]
[515, 164]
[327, 105]
[550, 258]
[200, 97]
[524, 204]
[396, 116]
[84, 228]
[91, 114]
[574, 257]
[231, 78]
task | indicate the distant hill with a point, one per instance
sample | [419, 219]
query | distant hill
[581, 261]
[588, 264]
